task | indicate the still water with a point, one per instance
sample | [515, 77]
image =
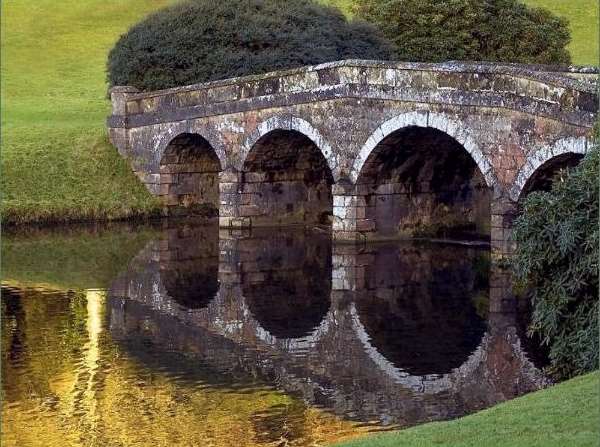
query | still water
[184, 335]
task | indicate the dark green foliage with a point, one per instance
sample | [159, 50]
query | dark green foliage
[557, 260]
[204, 40]
[479, 30]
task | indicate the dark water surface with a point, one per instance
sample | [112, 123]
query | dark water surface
[187, 335]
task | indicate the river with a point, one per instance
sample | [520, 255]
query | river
[183, 334]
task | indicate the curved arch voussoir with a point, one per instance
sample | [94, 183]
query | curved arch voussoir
[544, 154]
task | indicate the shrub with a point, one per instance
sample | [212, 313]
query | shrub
[484, 30]
[557, 236]
[203, 40]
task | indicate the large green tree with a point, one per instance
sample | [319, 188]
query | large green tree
[481, 30]
[556, 260]
[204, 40]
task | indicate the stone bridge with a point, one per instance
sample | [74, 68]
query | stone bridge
[374, 149]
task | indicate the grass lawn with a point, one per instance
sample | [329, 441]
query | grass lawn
[56, 161]
[583, 18]
[563, 415]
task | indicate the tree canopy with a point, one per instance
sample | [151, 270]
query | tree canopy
[478, 30]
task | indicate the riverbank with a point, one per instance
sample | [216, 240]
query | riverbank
[563, 415]
[57, 164]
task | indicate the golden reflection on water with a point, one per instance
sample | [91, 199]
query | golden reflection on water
[66, 384]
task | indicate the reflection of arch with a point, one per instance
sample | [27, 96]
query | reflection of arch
[286, 284]
[543, 155]
[290, 304]
[423, 330]
[439, 121]
[428, 384]
[191, 289]
[189, 169]
[291, 123]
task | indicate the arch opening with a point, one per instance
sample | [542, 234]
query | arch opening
[189, 177]
[544, 176]
[286, 180]
[421, 182]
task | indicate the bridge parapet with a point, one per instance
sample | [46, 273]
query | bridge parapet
[558, 92]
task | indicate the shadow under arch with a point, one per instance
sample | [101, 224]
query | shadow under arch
[189, 176]
[433, 120]
[421, 181]
[291, 123]
[286, 179]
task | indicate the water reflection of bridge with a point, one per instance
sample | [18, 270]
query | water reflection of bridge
[397, 333]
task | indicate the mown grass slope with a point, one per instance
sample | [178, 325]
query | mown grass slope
[564, 415]
[56, 161]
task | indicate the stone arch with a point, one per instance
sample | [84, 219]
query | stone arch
[439, 121]
[163, 139]
[538, 158]
[189, 176]
[286, 179]
[419, 175]
[291, 123]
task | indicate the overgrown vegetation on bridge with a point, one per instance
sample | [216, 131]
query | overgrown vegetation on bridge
[202, 40]
[557, 260]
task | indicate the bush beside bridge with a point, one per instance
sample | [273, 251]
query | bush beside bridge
[479, 30]
[557, 261]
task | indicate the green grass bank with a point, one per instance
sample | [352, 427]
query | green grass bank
[566, 414]
[57, 164]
